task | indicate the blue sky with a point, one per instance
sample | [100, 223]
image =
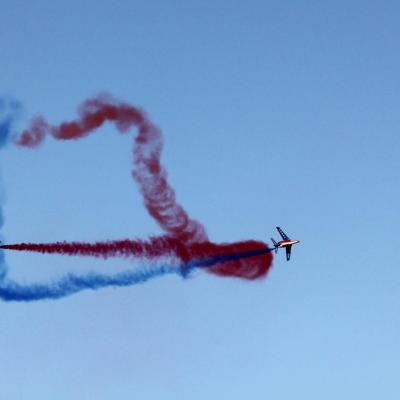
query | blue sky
[273, 113]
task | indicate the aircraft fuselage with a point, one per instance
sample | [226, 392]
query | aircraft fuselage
[285, 243]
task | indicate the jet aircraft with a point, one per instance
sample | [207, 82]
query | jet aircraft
[286, 243]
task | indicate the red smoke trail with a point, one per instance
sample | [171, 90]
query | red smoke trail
[158, 195]
[151, 248]
[220, 256]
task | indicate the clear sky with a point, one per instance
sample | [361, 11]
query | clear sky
[273, 113]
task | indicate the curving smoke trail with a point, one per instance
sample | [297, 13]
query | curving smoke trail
[186, 240]
[9, 112]
[158, 196]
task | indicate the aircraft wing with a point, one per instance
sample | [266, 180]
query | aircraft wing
[283, 234]
[288, 252]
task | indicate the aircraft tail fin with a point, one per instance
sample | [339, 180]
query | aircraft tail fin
[275, 245]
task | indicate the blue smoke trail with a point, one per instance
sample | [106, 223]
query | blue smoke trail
[70, 284]
[10, 110]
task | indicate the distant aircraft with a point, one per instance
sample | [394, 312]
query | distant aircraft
[285, 242]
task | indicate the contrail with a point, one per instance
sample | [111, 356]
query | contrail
[70, 283]
[152, 248]
[185, 239]
[9, 112]
[158, 196]
[164, 246]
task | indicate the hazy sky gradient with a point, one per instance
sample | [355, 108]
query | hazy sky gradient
[273, 113]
